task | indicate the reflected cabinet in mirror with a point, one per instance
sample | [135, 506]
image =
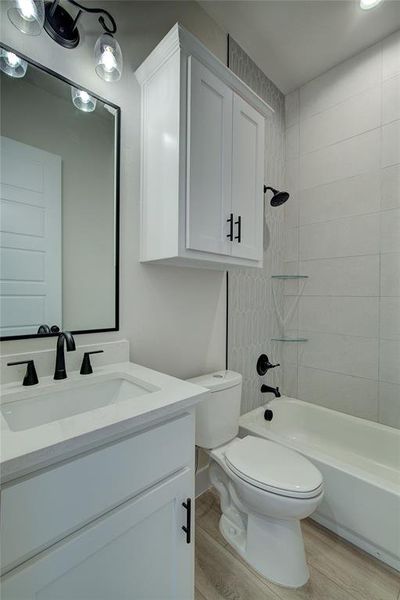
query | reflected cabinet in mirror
[59, 182]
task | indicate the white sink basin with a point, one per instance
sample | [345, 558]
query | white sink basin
[58, 404]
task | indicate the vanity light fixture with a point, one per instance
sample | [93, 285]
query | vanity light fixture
[83, 100]
[108, 58]
[27, 16]
[11, 64]
[368, 4]
[31, 16]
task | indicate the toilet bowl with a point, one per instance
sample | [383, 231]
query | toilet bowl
[261, 517]
[265, 489]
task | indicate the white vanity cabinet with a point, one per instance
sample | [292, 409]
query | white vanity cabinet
[202, 159]
[106, 525]
[136, 551]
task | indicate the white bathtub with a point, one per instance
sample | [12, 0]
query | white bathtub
[360, 463]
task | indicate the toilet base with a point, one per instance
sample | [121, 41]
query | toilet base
[273, 547]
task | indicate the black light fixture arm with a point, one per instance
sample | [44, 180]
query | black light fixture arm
[110, 27]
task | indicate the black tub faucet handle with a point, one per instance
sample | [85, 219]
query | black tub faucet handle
[263, 364]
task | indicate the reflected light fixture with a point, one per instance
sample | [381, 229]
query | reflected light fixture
[11, 64]
[31, 16]
[83, 100]
[368, 4]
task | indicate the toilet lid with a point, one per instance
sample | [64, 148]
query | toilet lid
[273, 467]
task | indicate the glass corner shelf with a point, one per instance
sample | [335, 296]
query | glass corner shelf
[287, 339]
[289, 276]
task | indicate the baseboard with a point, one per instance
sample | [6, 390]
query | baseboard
[376, 551]
[202, 482]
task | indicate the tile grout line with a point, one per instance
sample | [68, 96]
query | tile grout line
[378, 403]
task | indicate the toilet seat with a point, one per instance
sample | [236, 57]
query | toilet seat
[273, 468]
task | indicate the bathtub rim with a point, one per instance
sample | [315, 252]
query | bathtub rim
[248, 424]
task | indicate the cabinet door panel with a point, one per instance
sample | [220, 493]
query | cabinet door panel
[135, 552]
[209, 161]
[248, 179]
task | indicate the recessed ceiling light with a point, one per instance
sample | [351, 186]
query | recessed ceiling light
[368, 4]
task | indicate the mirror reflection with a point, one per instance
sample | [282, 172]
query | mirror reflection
[58, 183]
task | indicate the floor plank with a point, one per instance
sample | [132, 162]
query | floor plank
[339, 571]
[319, 586]
[361, 575]
[198, 595]
[208, 514]
[220, 576]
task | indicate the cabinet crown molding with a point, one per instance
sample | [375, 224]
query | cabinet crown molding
[179, 39]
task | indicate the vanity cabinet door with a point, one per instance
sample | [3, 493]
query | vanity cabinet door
[209, 161]
[247, 180]
[135, 552]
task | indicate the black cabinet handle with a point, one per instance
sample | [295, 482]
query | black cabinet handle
[238, 237]
[230, 221]
[188, 528]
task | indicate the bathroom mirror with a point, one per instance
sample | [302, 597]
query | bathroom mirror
[59, 182]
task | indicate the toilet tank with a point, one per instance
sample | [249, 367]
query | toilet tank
[217, 417]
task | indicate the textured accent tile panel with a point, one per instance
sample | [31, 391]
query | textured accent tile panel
[252, 319]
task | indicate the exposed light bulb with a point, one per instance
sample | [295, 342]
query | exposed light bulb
[27, 9]
[368, 4]
[27, 15]
[83, 100]
[108, 59]
[12, 59]
[11, 64]
[84, 96]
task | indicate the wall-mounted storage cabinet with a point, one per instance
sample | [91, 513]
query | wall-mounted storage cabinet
[202, 169]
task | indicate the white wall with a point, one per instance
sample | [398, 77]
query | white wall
[173, 317]
[343, 230]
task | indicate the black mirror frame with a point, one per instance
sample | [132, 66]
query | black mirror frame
[117, 200]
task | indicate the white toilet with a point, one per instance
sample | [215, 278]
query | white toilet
[264, 488]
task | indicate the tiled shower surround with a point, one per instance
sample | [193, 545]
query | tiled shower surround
[251, 318]
[343, 169]
[341, 227]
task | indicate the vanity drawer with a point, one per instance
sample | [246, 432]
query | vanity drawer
[42, 509]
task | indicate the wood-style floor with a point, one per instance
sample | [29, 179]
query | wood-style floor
[339, 571]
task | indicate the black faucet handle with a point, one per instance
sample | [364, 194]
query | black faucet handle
[31, 377]
[263, 364]
[86, 367]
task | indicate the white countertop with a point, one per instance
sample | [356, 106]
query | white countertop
[25, 451]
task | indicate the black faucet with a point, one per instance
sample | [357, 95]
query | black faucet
[60, 371]
[267, 388]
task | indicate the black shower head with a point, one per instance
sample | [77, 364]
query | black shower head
[278, 198]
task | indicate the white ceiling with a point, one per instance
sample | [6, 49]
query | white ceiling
[294, 41]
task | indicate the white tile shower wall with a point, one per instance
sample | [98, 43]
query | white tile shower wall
[343, 172]
[252, 320]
